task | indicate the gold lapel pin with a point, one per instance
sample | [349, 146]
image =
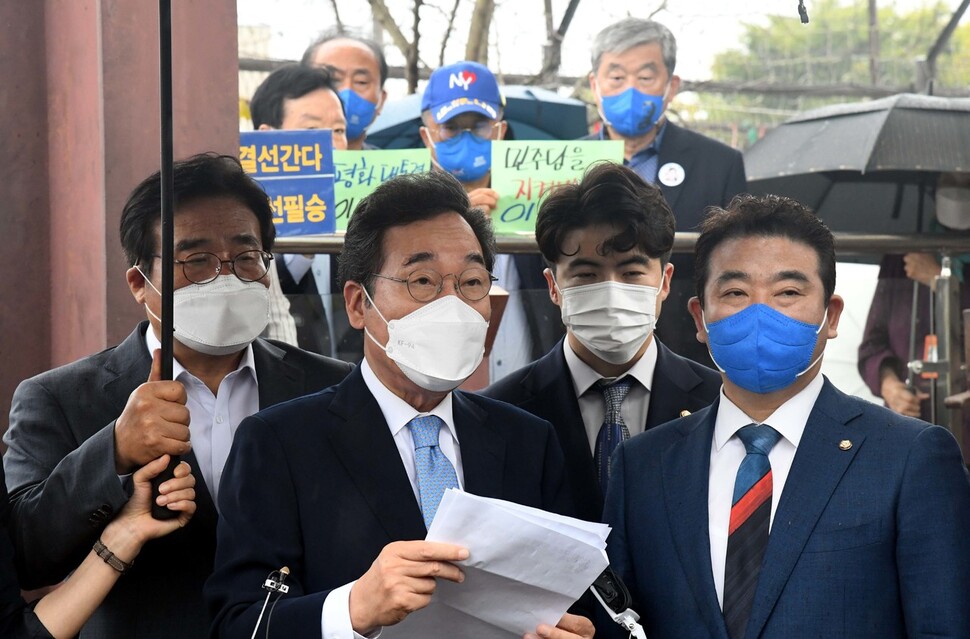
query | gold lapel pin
[845, 444]
[684, 413]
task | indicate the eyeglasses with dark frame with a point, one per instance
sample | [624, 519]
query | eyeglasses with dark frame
[482, 130]
[424, 285]
[205, 267]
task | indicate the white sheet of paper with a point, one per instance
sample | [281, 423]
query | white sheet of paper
[526, 567]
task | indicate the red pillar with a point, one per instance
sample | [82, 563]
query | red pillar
[86, 79]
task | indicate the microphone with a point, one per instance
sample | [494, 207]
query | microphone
[802, 11]
[610, 591]
[272, 584]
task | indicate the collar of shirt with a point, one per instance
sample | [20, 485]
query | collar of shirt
[789, 419]
[650, 149]
[584, 377]
[155, 344]
[397, 412]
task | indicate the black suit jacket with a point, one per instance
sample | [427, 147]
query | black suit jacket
[64, 488]
[17, 621]
[545, 389]
[318, 485]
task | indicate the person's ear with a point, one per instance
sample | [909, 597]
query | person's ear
[694, 306]
[265, 127]
[136, 284]
[551, 283]
[835, 308]
[354, 300]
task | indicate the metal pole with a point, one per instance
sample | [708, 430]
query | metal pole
[167, 222]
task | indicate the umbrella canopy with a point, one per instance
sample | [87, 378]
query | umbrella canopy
[532, 113]
[865, 167]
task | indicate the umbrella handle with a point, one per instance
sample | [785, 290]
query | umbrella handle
[163, 512]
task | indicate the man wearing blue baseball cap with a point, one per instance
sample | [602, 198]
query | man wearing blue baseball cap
[462, 111]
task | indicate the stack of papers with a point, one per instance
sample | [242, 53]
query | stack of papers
[526, 567]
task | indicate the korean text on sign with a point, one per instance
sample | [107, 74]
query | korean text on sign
[523, 172]
[296, 170]
[358, 173]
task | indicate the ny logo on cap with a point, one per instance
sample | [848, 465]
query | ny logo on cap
[463, 79]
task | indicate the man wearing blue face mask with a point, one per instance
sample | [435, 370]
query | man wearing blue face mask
[462, 114]
[787, 509]
[633, 83]
[359, 70]
[607, 241]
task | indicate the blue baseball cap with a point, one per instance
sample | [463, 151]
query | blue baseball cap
[462, 87]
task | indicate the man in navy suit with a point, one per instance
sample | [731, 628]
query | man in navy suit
[787, 509]
[341, 486]
[633, 83]
[607, 241]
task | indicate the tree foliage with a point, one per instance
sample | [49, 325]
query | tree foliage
[833, 49]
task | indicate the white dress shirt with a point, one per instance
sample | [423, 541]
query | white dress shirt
[335, 619]
[592, 404]
[214, 418]
[727, 453]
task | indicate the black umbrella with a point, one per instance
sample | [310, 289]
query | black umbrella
[532, 113]
[869, 166]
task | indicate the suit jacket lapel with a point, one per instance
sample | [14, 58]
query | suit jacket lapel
[363, 442]
[673, 380]
[279, 380]
[816, 471]
[482, 449]
[671, 151]
[554, 399]
[685, 467]
[127, 367]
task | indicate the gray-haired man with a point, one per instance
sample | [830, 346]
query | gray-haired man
[633, 83]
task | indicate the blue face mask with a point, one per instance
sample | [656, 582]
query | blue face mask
[633, 113]
[359, 112]
[762, 350]
[466, 156]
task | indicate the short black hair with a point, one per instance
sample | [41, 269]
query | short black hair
[764, 216]
[207, 175]
[400, 201]
[333, 34]
[608, 194]
[286, 83]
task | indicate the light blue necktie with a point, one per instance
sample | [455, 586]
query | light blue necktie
[435, 473]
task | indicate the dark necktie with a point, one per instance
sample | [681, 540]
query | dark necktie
[614, 430]
[434, 472]
[748, 530]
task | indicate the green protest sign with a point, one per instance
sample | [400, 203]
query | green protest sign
[357, 173]
[524, 171]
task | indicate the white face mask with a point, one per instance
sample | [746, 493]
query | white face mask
[439, 345]
[611, 319]
[221, 317]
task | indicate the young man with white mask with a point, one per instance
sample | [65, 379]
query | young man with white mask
[607, 241]
[787, 509]
[78, 432]
[341, 486]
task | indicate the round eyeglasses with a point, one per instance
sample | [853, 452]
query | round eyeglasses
[473, 283]
[202, 268]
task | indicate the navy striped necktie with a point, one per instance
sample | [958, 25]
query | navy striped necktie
[613, 430]
[748, 530]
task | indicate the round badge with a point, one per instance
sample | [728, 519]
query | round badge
[671, 174]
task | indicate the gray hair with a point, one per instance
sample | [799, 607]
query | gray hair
[632, 32]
